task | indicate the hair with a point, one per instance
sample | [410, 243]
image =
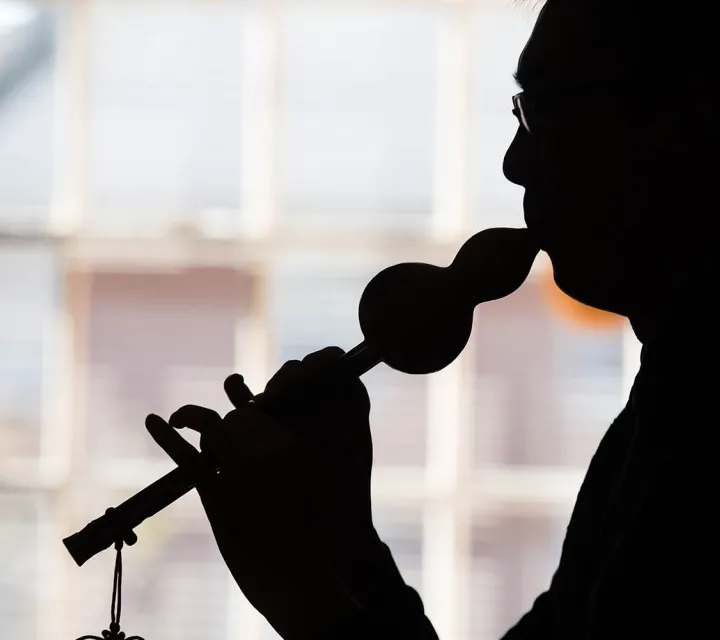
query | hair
[660, 47]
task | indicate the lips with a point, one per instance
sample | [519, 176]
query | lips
[536, 223]
[530, 212]
[545, 221]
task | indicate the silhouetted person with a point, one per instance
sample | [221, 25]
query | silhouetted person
[617, 151]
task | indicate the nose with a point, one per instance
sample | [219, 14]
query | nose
[516, 161]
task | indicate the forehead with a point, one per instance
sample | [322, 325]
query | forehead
[559, 52]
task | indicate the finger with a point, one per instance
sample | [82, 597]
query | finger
[180, 451]
[296, 372]
[284, 379]
[337, 384]
[206, 422]
[323, 358]
[237, 391]
[193, 417]
[187, 457]
[320, 366]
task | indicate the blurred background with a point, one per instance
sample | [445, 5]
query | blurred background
[194, 187]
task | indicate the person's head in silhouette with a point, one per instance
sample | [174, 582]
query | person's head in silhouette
[617, 148]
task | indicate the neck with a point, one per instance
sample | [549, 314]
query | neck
[651, 312]
[646, 325]
[648, 321]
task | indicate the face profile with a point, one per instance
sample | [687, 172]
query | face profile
[594, 155]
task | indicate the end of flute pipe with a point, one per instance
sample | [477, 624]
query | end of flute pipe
[77, 549]
[98, 535]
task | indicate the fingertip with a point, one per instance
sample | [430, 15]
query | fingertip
[176, 419]
[335, 350]
[235, 378]
[188, 415]
[237, 390]
[170, 441]
[196, 418]
[332, 352]
[152, 420]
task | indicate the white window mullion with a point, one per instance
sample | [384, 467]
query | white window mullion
[56, 427]
[62, 429]
[259, 119]
[449, 220]
[486, 603]
[252, 359]
[253, 344]
[446, 544]
[71, 119]
[447, 547]
[55, 457]
[64, 440]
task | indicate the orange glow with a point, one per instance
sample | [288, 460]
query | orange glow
[575, 312]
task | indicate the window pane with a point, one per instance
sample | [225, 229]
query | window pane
[314, 304]
[19, 565]
[313, 310]
[357, 109]
[512, 563]
[30, 293]
[500, 31]
[27, 59]
[165, 104]
[588, 369]
[401, 528]
[158, 341]
[543, 393]
[398, 417]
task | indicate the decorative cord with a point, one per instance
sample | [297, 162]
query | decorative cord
[114, 633]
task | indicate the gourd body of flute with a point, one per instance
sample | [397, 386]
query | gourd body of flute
[419, 316]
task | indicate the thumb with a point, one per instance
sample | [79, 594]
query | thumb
[237, 391]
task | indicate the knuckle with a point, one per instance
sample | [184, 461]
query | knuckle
[323, 356]
[289, 369]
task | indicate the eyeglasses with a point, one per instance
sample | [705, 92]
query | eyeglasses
[520, 111]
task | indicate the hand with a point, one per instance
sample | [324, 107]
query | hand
[262, 514]
[331, 418]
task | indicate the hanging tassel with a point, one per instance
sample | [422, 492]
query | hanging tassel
[114, 633]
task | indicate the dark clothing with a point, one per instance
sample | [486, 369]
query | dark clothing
[393, 609]
[639, 558]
